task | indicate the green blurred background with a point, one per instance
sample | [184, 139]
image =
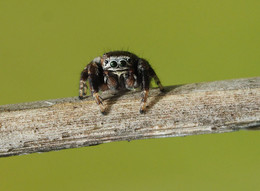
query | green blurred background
[45, 44]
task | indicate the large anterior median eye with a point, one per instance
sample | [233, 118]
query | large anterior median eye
[122, 63]
[113, 64]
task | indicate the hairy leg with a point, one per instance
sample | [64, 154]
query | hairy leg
[82, 83]
[94, 83]
[92, 72]
[144, 73]
[156, 79]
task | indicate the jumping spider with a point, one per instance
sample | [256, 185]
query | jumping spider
[118, 70]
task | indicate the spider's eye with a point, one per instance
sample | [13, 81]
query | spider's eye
[113, 64]
[122, 63]
[106, 61]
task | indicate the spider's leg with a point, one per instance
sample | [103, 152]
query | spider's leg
[145, 79]
[94, 90]
[96, 80]
[82, 83]
[146, 73]
[144, 95]
[156, 79]
[158, 82]
[85, 87]
[94, 73]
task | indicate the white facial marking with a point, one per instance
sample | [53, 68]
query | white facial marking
[119, 73]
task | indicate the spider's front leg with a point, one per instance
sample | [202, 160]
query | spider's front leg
[146, 73]
[93, 72]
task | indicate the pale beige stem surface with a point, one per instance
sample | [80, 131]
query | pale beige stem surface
[191, 109]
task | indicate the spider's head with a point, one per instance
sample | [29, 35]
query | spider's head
[116, 63]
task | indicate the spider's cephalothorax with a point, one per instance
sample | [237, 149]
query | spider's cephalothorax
[118, 70]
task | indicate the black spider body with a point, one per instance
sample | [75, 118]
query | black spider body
[118, 70]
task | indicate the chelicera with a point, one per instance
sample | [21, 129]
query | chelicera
[118, 70]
